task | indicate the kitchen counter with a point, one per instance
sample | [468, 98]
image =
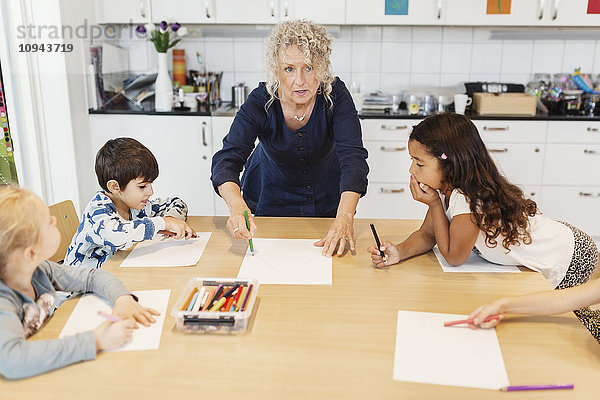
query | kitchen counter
[538, 117]
[227, 110]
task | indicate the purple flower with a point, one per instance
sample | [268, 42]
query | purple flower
[175, 27]
[163, 26]
[141, 29]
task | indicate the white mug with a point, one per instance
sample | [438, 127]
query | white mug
[461, 101]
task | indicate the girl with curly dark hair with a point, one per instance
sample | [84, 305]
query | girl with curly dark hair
[472, 205]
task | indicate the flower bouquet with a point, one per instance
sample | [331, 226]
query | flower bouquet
[161, 37]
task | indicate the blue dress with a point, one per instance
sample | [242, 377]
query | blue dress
[294, 172]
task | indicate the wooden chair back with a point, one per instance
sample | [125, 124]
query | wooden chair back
[67, 223]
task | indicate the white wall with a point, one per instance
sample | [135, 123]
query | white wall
[392, 58]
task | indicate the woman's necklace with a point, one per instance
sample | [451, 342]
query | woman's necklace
[299, 119]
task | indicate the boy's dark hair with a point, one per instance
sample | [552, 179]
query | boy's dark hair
[124, 159]
[498, 206]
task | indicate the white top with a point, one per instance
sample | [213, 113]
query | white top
[549, 252]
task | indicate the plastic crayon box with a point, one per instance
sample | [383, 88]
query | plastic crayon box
[215, 305]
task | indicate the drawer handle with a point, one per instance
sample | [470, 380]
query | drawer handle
[384, 190]
[586, 194]
[394, 127]
[540, 9]
[207, 10]
[439, 10]
[555, 13]
[590, 129]
[495, 128]
[586, 151]
[386, 148]
[204, 143]
[504, 150]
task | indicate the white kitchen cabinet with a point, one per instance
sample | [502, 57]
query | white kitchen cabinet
[184, 11]
[511, 142]
[220, 128]
[122, 11]
[569, 13]
[577, 205]
[388, 194]
[421, 12]
[182, 146]
[275, 11]
[470, 12]
[247, 12]
[571, 183]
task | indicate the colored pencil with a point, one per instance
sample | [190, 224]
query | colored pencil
[248, 227]
[217, 306]
[185, 305]
[470, 320]
[198, 302]
[537, 387]
[238, 305]
[109, 317]
[245, 303]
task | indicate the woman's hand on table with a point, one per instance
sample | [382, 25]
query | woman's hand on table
[485, 311]
[236, 224]
[340, 235]
[391, 252]
[126, 307]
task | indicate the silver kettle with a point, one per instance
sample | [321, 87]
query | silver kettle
[239, 94]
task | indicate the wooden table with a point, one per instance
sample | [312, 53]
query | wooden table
[334, 342]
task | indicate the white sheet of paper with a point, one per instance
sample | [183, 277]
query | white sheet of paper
[85, 317]
[474, 263]
[161, 252]
[286, 261]
[428, 352]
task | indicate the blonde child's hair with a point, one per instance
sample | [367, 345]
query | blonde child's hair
[19, 221]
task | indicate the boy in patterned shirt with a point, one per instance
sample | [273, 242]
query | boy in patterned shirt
[123, 214]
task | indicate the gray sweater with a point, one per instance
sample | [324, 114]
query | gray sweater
[20, 317]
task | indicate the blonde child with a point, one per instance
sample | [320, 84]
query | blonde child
[472, 205]
[122, 213]
[28, 284]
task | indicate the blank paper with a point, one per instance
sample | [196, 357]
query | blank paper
[428, 352]
[85, 317]
[287, 261]
[163, 252]
[474, 263]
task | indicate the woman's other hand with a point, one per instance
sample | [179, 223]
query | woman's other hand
[340, 235]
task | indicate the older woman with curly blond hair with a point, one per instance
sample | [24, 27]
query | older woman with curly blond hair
[310, 160]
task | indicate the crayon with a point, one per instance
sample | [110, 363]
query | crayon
[245, 303]
[109, 317]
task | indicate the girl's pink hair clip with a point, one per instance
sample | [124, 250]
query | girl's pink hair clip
[444, 156]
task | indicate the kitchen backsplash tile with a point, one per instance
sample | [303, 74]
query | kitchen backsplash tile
[366, 57]
[516, 56]
[579, 54]
[396, 57]
[456, 58]
[387, 57]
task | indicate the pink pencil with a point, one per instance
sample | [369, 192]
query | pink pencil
[109, 317]
[470, 320]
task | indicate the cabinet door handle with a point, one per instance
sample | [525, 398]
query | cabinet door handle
[586, 151]
[394, 127]
[555, 9]
[273, 9]
[204, 143]
[207, 9]
[285, 9]
[439, 10]
[386, 148]
[390, 191]
[541, 6]
[496, 128]
[142, 9]
[504, 150]
[587, 194]
[590, 129]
